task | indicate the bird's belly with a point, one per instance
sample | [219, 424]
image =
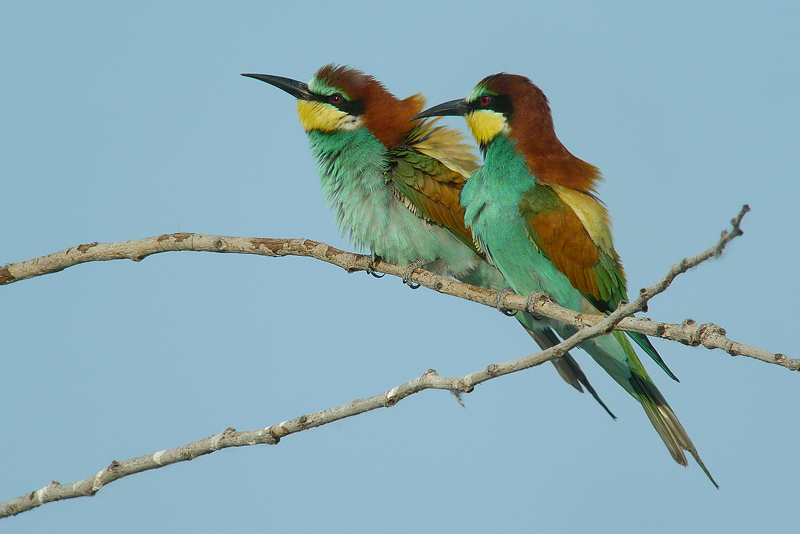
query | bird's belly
[385, 226]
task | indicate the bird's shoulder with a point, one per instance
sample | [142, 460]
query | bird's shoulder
[428, 170]
[573, 229]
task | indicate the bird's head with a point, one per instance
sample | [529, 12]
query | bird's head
[501, 103]
[340, 98]
[511, 106]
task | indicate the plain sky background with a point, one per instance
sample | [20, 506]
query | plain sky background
[122, 122]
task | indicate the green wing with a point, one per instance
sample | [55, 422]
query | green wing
[428, 172]
[573, 230]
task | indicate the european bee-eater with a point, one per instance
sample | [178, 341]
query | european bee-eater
[395, 185]
[534, 212]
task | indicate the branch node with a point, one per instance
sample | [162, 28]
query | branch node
[86, 247]
[391, 395]
[493, 369]
[584, 321]
[38, 495]
[5, 276]
[390, 401]
[157, 457]
[97, 483]
[709, 329]
[216, 441]
[730, 348]
[609, 328]
[260, 243]
[278, 431]
[179, 237]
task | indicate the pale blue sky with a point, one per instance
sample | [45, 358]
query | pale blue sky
[126, 122]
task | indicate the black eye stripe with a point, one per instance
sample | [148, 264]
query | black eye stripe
[354, 107]
[499, 103]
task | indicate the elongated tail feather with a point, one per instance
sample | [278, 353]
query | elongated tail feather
[615, 354]
[567, 367]
[651, 351]
[640, 339]
[666, 423]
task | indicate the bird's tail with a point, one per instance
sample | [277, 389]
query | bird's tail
[666, 424]
[566, 365]
[631, 375]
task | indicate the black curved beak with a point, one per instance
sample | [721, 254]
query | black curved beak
[453, 107]
[295, 88]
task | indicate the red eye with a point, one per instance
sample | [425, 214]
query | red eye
[485, 100]
[335, 98]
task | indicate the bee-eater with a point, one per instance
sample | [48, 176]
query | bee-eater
[534, 212]
[395, 185]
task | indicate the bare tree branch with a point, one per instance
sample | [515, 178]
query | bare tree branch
[689, 332]
[56, 491]
[590, 326]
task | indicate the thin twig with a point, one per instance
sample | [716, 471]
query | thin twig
[55, 491]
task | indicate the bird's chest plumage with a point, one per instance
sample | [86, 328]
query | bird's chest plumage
[492, 198]
[352, 166]
[353, 173]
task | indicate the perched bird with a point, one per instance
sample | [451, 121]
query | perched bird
[534, 212]
[395, 185]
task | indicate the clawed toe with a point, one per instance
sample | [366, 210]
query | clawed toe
[530, 303]
[370, 266]
[413, 266]
[501, 295]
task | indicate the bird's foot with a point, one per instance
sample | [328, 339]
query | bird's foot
[531, 303]
[413, 266]
[370, 266]
[501, 295]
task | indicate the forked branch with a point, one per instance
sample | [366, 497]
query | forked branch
[709, 335]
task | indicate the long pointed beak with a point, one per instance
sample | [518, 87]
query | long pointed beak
[295, 88]
[453, 107]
